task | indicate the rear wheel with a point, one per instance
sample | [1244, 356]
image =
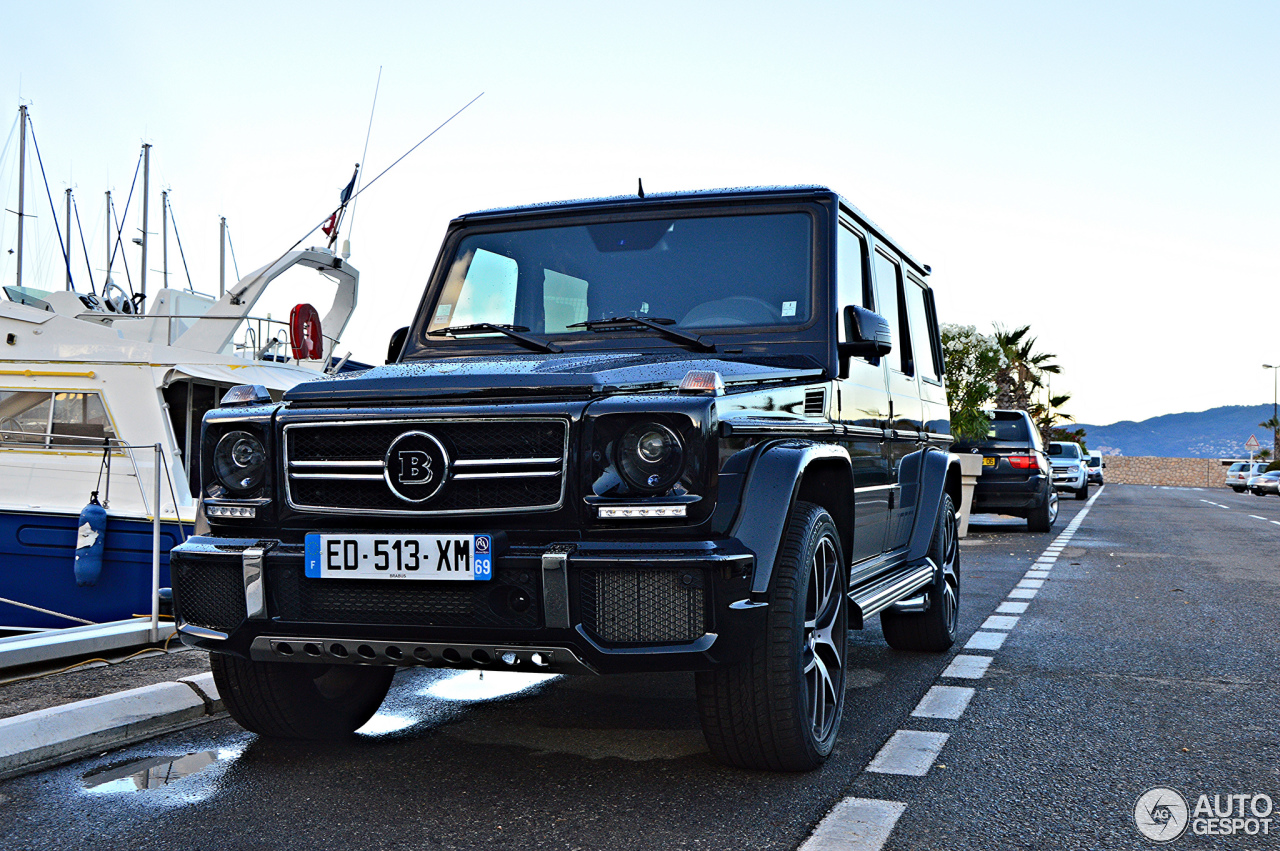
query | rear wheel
[934, 629]
[1041, 519]
[780, 709]
[294, 700]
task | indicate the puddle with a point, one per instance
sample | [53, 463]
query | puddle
[484, 685]
[154, 772]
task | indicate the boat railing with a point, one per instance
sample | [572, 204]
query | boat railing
[255, 329]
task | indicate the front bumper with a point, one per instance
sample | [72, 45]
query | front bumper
[602, 607]
[1066, 477]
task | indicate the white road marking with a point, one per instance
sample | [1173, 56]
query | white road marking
[1031, 583]
[1000, 622]
[1277, 522]
[1011, 608]
[1256, 517]
[1036, 574]
[1023, 593]
[855, 824]
[986, 641]
[966, 667]
[943, 702]
[909, 752]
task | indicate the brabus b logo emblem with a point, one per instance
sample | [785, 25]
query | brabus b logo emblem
[416, 466]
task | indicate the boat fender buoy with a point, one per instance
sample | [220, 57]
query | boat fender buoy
[91, 540]
[305, 336]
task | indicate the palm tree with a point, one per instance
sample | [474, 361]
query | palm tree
[1026, 368]
[1274, 425]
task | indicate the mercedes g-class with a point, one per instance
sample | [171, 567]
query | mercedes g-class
[691, 432]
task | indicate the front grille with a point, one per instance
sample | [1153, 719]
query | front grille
[509, 600]
[644, 606]
[495, 465]
[211, 596]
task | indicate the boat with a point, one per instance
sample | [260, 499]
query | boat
[104, 393]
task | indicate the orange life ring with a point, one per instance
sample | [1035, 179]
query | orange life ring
[304, 333]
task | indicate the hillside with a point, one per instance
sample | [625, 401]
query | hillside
[1215, 433]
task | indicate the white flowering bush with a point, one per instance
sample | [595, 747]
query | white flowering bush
[974, 361]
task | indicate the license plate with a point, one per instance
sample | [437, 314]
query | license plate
[989, 461]
[448, 557]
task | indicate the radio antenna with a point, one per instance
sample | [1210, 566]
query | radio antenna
[364, 157]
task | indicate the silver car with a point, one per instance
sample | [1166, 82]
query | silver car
[1264, 484]
[1070, 468]
[1239, 473]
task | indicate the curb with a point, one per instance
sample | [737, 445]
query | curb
[62, 733]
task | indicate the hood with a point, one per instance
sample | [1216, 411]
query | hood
[582, 374]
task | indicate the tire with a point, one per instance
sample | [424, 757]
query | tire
[780, 709]
[293, 700]
[934, 629]
[1083, 491]
[1237, 490]
[1041, 519]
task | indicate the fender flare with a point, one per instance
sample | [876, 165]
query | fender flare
[770, 490]
[937, 468]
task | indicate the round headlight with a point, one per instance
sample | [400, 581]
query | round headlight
[650, 457]
[240, 461]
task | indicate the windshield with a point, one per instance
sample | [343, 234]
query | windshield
[704, 272]
[1064, 450]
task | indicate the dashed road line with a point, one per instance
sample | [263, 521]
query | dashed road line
[855, 824]
[967, 667]
[986, 641]
[1256, 517]
[1000, 622]
[947, 702]
[1036, 574]
[1011, 608]
[909, 752]
[1022, 593]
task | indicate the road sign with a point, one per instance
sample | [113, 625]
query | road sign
[1252, 444]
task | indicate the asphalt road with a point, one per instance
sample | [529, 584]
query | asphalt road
[1148, 658]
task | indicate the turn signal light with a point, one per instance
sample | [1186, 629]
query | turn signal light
[702, 381]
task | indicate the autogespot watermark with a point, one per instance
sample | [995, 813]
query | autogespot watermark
[1162, 814]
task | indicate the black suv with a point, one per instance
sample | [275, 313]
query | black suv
[638, 434]
[1016, 475]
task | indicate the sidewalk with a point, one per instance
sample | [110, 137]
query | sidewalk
[56, 716]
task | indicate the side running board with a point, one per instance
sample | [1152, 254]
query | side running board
[884, 591]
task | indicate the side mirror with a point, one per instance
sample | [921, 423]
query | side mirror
[396, 345]
[866, 333]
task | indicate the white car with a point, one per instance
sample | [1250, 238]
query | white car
[1070, 468]
[1239, 474]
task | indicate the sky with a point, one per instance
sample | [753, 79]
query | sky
[1103, 172]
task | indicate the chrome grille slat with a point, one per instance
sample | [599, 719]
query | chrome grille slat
[506, 465]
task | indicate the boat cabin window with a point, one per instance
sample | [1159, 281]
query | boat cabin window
[53, 420]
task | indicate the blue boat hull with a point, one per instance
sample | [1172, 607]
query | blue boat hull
[37, 558]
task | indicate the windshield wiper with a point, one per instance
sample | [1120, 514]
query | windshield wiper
[512, 331]
[656, 323]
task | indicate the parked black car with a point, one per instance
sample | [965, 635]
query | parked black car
[635, 434]
[1016, 476]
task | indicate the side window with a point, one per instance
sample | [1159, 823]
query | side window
[564, 301]
[926, 355]
[851, 283]
[481, 288]
[889, 302]
[41, 418]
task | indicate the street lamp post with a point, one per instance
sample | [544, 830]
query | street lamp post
[1275, 449]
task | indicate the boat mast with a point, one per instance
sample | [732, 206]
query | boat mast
[164, 228]
[22, 178]
[222, 258]
[146, 193]
[66, 254]
[108, 240]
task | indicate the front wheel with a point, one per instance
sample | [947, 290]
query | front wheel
[780, 709]
[1083, 491]
[934, 629]
[294, 700]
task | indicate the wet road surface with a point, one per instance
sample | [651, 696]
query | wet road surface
[1089, 699]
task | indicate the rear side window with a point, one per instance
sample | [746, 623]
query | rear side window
[890, 306]
[926, 354]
